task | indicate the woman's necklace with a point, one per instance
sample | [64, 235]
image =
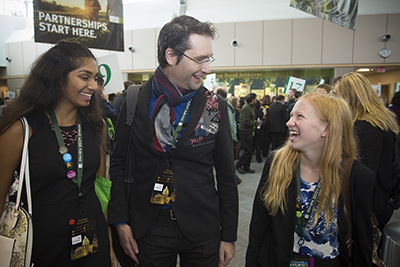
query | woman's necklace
[69, 137]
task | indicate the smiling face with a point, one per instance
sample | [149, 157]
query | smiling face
[307, 131]
[187, 74]
[81, 85]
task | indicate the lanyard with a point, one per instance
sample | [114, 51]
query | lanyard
[75, 177]
[176, 131]
[303, 220]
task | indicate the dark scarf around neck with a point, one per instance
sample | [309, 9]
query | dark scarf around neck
[163, 113]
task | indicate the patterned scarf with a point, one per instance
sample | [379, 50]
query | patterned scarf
[163, 113]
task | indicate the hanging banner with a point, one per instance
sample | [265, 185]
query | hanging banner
[294, 83]
[94, 23]
[340, 12]
[109, 70]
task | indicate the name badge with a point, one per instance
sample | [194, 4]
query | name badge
[83, 238]
[165, 187]
[301, 261]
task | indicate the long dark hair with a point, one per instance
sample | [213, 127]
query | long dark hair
[42, 88]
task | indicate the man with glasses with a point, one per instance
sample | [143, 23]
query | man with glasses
[180, 137]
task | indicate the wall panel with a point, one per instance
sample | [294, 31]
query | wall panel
[393, 29]
[307, 41]
[277, 48]
[337, 44]
[367, 38]
[16, 66]
[144, 41]
[222, 48]
[249, 51]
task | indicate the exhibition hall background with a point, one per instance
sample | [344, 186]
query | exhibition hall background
[268, 52]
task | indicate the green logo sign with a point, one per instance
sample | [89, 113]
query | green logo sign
[107, 75]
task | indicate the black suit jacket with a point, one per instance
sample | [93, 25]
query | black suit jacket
[271, 238]
[277, 111]
[377, 152]
[204, 206]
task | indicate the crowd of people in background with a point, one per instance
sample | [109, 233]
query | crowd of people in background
[274, 111]
[266, 127]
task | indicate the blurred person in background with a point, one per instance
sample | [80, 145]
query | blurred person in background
[266, 139]
[376, 129]
[323, 88]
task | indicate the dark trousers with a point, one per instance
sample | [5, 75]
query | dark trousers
[277, 139]
[266, 140]
[165, 241]
[258, 144]
[247, 143]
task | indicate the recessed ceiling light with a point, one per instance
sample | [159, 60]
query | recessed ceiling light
[363, 70]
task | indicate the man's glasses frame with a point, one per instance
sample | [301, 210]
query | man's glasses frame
[209, 60]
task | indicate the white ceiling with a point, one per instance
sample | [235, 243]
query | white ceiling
[141, 14]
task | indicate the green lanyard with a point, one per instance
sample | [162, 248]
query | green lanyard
[178, 128]
[303, 220]
[75, 177]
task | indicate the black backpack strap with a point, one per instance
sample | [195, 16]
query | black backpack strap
[131, 102]
[131, 98]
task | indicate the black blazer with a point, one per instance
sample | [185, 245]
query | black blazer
[204, 206]
[277, 111]
[271, 238]
[377, 152]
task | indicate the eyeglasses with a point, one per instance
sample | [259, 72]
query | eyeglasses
[201, 62]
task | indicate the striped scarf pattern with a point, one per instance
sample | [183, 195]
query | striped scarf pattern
[163, 114]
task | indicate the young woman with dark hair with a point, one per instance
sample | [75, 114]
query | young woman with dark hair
[67, 148]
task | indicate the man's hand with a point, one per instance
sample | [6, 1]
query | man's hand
[127, 242]
[226, 253]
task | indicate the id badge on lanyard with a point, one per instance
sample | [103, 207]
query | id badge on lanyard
[83, 240]
[82, 229]
[301, 261]
[165, 188]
